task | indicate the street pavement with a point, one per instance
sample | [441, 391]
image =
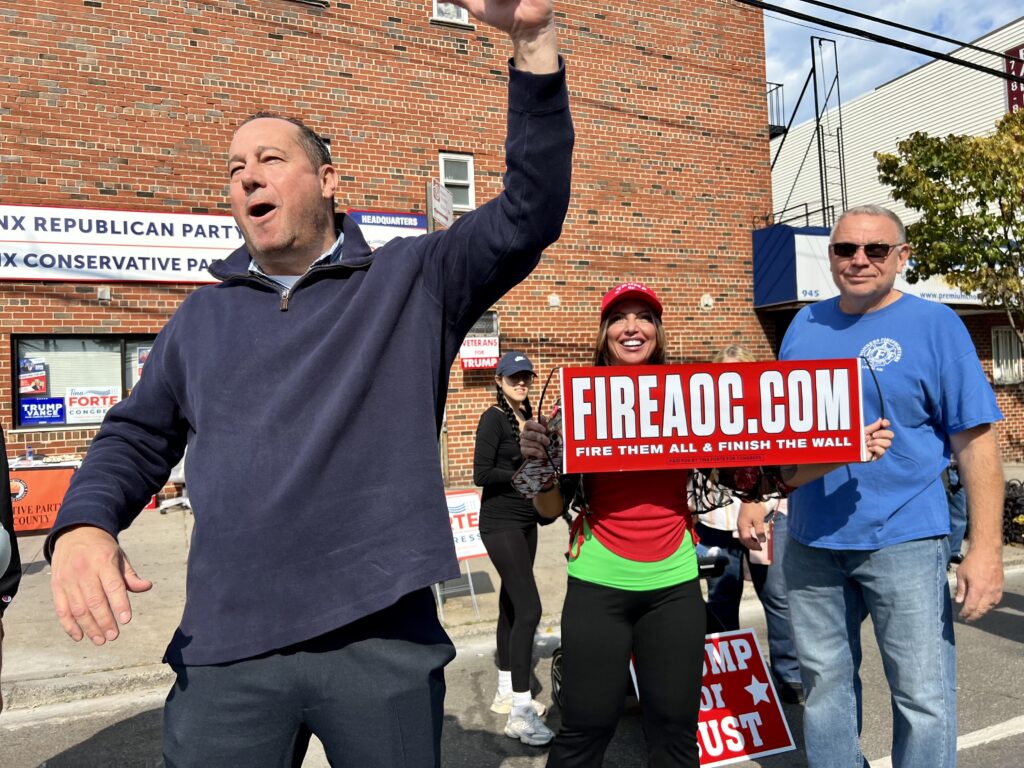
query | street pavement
[45, 672]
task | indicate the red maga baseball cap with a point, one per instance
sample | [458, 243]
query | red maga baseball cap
[630, 291]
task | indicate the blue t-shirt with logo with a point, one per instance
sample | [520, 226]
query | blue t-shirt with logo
[932, 385]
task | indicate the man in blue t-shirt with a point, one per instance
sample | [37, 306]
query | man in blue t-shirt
[872, 539]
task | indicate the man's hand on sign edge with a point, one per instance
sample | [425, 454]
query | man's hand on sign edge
[750, 526]
[878, 438]
[90, 580]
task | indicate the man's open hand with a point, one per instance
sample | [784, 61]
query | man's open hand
[90, 579]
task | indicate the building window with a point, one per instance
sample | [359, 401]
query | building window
[457, 177]
[487, 325]
[1007, 366]
[74, 380]
[450, 14]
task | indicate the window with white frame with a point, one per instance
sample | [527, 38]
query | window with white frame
[457, 177]
[450, 13]
[1007, 366]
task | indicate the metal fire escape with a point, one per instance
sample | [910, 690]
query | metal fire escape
[827, 140]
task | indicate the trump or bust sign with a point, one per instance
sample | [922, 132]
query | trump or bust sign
[740, 713]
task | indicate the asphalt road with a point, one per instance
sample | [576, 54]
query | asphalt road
[125, 731]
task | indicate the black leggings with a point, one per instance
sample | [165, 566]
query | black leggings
[512, 550]
[601, 627]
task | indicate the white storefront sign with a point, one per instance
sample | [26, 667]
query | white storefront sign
[86, 244]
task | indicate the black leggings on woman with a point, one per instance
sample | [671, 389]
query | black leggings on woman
[512, 550]
[601, 627]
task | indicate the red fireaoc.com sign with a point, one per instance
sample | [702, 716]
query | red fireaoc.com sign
[706, 415]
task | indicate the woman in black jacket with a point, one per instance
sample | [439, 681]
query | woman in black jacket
[508, 528]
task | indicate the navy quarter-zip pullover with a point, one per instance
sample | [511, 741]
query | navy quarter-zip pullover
[311, 421]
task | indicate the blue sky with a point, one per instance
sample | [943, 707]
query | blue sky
[863, 64]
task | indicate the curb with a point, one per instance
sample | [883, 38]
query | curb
[28, 694]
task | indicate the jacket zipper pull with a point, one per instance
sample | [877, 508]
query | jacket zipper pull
[284, 300]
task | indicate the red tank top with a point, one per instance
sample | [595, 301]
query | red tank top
[641, 516]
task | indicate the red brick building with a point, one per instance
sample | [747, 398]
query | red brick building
[130, 107]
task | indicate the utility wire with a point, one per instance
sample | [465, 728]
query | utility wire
[811, 27]
[905, 28]
[885, 40]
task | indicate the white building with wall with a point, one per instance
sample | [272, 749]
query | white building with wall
[938, 98]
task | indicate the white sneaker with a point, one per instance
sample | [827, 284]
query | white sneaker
[502, 705]
[529, 729]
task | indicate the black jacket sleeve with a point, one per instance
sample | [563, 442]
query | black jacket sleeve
[11, 576]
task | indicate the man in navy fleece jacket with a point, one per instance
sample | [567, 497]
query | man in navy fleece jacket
[308, 386]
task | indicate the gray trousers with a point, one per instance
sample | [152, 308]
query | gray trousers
[372, 692]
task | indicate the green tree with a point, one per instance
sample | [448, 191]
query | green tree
[970, 192]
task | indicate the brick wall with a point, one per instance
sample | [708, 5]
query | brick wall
[1010, 397]
[131, 106]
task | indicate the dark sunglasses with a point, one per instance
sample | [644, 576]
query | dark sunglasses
[524, 376]
[874, 251]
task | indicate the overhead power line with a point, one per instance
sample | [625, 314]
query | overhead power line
[905, 28]
[886, 40]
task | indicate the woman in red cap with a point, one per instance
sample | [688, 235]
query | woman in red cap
[508, 529]
[633, 587]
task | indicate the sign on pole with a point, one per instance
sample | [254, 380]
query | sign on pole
[440, 204]
[1014, 89]
[464, 515]
[728, 415]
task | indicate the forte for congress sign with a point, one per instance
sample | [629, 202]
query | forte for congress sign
[729, 414]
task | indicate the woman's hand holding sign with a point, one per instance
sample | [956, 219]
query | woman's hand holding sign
[533, 439]
[750, 524]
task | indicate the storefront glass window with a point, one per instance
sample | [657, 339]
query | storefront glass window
[74, 380]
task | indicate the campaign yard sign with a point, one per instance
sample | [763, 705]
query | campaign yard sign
[479, 352]
[464, 516]
[88, 405]
[728, 414]
[740, 713]
[41, 410]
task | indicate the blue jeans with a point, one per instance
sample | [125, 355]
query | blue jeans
[904, 590]
[725, 591]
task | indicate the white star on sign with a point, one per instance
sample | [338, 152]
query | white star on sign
[758, 691]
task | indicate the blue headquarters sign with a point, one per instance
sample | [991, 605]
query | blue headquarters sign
[42, 410]
[378, 227]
